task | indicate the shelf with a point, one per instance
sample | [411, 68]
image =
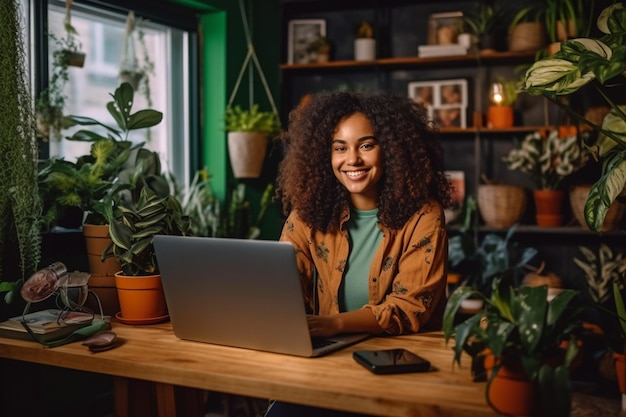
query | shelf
[472, 59]
[485, 130]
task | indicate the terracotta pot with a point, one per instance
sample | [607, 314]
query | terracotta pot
[247, 153]
[510, 392]
[141, 298]
[549, 206]
[97, 238]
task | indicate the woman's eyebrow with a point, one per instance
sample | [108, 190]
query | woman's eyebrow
[361, 139]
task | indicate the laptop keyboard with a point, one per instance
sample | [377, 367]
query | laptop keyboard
[320, 343]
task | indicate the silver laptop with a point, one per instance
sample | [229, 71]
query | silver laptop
[236, 292]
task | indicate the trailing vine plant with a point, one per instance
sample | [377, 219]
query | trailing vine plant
[20, 207]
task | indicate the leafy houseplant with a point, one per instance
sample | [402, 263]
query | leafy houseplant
[595, 62]
[95, 180]
[519, 324]
[238, 119]
[547, 159]
[139, 288]
[485, 22]
[155, 213]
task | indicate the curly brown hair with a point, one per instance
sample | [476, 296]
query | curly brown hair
[412, 156]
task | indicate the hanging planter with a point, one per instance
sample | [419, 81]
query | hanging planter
[133, 70]
[248, 136]
[249, 130]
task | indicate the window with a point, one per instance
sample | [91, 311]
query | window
[101, 33]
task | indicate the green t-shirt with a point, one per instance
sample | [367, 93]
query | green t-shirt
[365, 236]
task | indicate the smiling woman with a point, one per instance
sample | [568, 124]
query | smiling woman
[363, 186]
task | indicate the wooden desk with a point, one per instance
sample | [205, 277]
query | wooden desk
[153, 353]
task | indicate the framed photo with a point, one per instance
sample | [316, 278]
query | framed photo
[457, 180]
[302, 33]
[445, 100]
[444, 28]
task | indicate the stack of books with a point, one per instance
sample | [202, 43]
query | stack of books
[45, 324]
[428, 51]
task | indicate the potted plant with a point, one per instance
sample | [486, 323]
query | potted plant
[595, 62]
[319, 50]
[96, 181]
[486, 21]
[156, 212]
[562, 19]
[548, 158]
[248, 136]
[365, 44]
[527, 344]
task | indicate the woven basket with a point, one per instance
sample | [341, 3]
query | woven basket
[501, 206]
[612, 221]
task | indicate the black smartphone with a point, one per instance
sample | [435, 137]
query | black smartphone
[391, 361]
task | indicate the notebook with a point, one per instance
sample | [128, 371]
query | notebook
[241, 293]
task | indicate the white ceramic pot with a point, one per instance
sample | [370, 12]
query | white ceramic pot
[364, 49]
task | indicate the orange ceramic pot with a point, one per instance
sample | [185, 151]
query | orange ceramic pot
[141, 298]
[97, 239]
[549, 207]
[510, 392]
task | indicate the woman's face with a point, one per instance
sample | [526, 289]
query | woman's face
[356, 159]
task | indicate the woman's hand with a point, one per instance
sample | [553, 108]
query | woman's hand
[357, 321]
[323, 326]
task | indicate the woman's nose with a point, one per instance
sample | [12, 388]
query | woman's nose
[354, 157]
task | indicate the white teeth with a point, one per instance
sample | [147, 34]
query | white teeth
[354, 173]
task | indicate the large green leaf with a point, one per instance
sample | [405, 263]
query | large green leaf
[453, 305]
[606, 189]
[144, 118]
[558, 305]
[530, 313]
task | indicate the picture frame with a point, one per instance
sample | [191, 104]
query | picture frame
[302, 33]
[445, 100]
[444, 28]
